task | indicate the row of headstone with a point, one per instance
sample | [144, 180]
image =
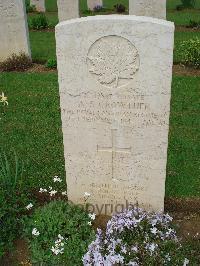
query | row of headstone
[115, 86]
[68, 9]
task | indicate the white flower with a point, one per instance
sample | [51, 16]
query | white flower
[154, 230]
[3, 99]
[58, 241]
[57, 179]
[92, 216]
[168, 257]
[42, 190]
[52, 193]
[29, 206]
[151, 247]
[64, 193]
[35, 232]
[55, 250]
[60, 237]
[89, 223]
[134, 249]
[86, 194]
[186, 262]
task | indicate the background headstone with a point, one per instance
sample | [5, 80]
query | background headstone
[39, 5]
[115, 88]
[149, 8]
[93, 3]
[14, 37]
[68, 9]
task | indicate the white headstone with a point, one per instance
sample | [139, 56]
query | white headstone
[115, 88]
[94, 3]
[39, 5]
[68, 9]
[149, 8]
[14, 37]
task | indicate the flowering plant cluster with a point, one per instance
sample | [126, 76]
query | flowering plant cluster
[58, 233]
[98, 8]
[135, 237]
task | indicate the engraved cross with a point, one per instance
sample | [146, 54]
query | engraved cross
[113, 150]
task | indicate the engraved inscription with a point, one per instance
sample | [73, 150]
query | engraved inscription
[113, 61]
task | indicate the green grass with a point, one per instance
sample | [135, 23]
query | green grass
[43, 46]
[32, 126]
[184, 146]
[182, 18]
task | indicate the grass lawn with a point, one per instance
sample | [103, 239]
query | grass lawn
[183, 17]
[32, 126]
[43, 46]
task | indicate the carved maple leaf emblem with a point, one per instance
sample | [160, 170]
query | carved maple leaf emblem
[115, 59]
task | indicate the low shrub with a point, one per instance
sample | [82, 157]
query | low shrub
[120, 8]
[12, 201]
[39, 22]
[186, 4]
[190, 52]
[194, 24]
[16, 62]
[29, 8]
[98, 8]
[136, 237]
[58, 233]
[51, 63]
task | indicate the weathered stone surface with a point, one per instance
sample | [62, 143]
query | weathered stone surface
[93, 3]
[115, 88]
[14, 37]
[149, 8]
[68, 9]
[39, 5]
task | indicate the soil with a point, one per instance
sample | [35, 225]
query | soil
[38, 68]
[187, 29]
[182, 70]
[179, 70]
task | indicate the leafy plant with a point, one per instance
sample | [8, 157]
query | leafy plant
[186, 4]
[29, 8]
[194, 24]
[11, 175]
[136, 237]
[12, 200]
[120, 8]
[190, 52]
[16, 62]
[58, 234]
[51, 63]
[98, 8]
[39, 22]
